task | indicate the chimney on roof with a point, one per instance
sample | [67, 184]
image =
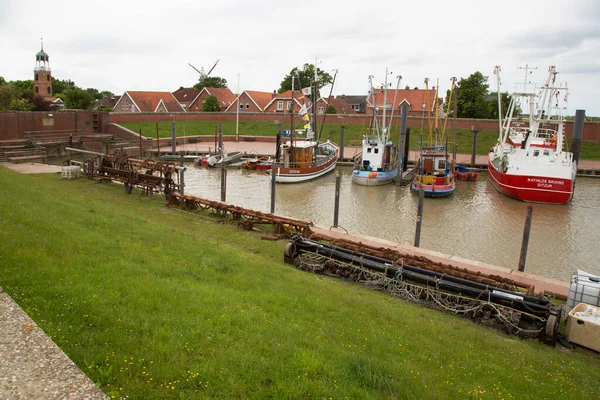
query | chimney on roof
[274, 93]
[180, 87]
[407, 87]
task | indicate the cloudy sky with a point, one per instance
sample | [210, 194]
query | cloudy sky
[147, 45]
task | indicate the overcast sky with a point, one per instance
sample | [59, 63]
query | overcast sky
[147, 45]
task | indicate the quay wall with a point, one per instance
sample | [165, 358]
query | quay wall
[13, 125]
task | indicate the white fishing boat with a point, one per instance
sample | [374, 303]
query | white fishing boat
[377, 164]
[529, 161]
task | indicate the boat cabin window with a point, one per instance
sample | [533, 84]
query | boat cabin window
[441, 164]
[368, 149]
[376, 150]
[546, 152]
[536, 153]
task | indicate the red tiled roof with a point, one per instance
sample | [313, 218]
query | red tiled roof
[186, 95]
[341, 105]
[415, 98]
[260, 98]
[224, 95]
[149, 101]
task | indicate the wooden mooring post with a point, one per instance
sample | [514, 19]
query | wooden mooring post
[525, 242]
[336, 208]
[419, 218]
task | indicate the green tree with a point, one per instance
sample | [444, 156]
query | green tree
[305, 77]
[3, 81]
[94, 92]
[493, 105]
[106, 94]
[470, 97]
[7, 95]
[21, 105]
[211, 81]
[22, 87]
[60, 86]
[331, 109]
[211, 104]
[77, 98]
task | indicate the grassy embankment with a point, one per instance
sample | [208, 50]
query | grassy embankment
[464, 138]
[156, 303]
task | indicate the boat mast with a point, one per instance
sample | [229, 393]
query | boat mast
[292, 113]
[374, 104]
[394, 103]
[315, 99]
[383, 125]
[325, 114]
[429, 137]
[453, 79]
[501, 135]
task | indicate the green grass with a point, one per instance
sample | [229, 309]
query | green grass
[156, 303]
[352, 132]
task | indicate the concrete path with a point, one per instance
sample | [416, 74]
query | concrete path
[32, 366]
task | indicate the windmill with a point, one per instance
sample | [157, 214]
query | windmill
[203, 75]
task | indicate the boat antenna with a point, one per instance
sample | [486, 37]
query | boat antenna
[325, 114]
[394, 103]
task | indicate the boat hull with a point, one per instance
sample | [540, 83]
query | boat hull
[294, 175]
[367, 178]
[530, 188]
[434, 190]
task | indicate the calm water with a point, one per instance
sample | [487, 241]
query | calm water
[476, 222]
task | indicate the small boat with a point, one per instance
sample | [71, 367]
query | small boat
[201, 161]
[264, 165]
[377, 164]
[253, 163]
[528, 163]
[433, 174]
[462, 173]
[225, 159]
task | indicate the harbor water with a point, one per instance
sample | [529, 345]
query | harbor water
[475, 223]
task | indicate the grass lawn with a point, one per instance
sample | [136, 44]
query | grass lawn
[156, 303]
[464, 138]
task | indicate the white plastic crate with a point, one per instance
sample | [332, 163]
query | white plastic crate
[584, 288]
[70, 172]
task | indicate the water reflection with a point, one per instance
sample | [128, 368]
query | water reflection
[476, 222]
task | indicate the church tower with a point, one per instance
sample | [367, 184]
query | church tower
[42, 79]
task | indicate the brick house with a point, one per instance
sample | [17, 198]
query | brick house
[252, 101]
[339, 102]
[417, 100]
[139, 101]
[185, 96]
[282, 102]
[225, 97]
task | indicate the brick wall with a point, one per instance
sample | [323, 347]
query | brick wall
[13, 125]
